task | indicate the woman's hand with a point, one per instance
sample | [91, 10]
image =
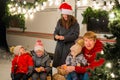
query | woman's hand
[61, 37]
[56, 36]
[70, 68]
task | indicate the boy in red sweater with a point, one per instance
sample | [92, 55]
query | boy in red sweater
[22, 64]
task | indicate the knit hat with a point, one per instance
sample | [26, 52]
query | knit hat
[16, 50]
[65, 8]
[80, 42]
[38, 46]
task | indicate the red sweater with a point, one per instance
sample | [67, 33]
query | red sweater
[23, 62]
[90, 55]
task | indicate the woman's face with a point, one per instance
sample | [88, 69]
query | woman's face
[65, 16]
[89, 43]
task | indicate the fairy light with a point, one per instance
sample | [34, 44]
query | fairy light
[24, 2]
[78, 4]
[42, 8]
[37, 8]
[96, 5]
[44, 4]
[84, 2]
[31, 16]
[34, 10]
[9, 5]
[57, 2]
[102, 52]
[26, 16]
[108, 65]
[19, 9]
[112, 15]
[16, 4]
[50, 2]
[36, 3]
[112, 75]
[24, 10]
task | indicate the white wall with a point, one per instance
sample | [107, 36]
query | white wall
[43, 22]
[29, 42]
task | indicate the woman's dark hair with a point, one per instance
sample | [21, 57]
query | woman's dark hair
[67, 23]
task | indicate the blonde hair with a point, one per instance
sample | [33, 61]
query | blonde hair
[80, 42]
[90, 35]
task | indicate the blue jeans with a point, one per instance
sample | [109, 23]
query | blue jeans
[72, 76]
[83, 76]
[75, 76]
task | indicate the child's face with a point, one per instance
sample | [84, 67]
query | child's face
[22, 50]
[75, 49]
[39, 53]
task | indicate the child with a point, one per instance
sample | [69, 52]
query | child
[22, 64]
[41, 62]
[75, 58]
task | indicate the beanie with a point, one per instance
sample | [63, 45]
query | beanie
[16, 50]
[65, 8]
[38, 46]
[80, 42]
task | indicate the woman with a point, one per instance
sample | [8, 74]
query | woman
[66, 32]
[92, 47]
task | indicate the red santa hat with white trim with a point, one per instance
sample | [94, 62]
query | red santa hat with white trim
[38, 46]
[65, 8]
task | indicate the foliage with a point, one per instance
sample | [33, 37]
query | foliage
[114, 27]
[19, 18]
[91, 13]
[111, 51]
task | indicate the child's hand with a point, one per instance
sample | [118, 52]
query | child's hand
[38, 69]
[64, 66]
[42, 68]
[70, 68]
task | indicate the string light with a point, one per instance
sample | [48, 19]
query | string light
[96, 4]
[112, 15]
[112, 75]
[108, 65]
[22, 6]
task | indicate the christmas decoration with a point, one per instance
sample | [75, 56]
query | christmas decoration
[111, 68]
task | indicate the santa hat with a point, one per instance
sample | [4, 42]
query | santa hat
[16, 50]
[65, 8]
[38, 46]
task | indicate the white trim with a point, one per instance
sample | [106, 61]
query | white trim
[66, 11]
